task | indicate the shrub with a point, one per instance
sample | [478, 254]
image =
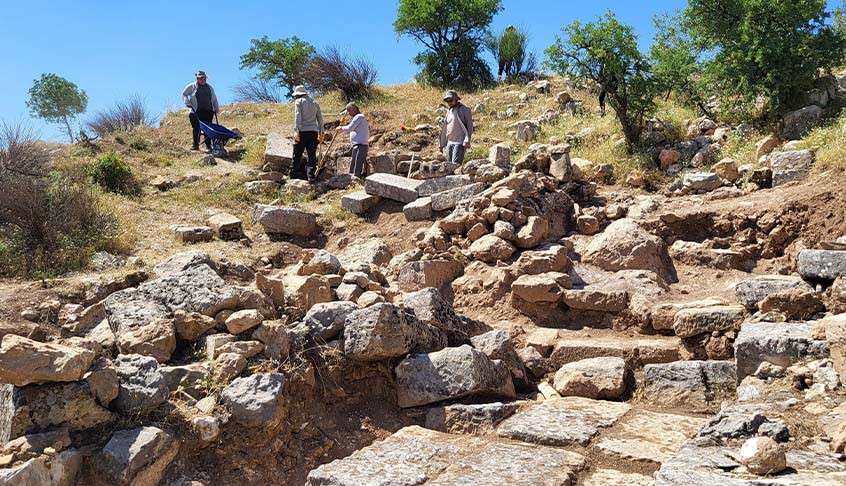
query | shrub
[49, 223]
[113, 174]
[256, 90]
[355, 78]
[122, 117]
[452, 32]
[282, 60]
[510, 49]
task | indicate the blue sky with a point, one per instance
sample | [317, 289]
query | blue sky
[114, 49]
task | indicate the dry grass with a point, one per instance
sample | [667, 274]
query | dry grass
[830, 144]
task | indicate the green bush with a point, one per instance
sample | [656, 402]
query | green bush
[113, 174]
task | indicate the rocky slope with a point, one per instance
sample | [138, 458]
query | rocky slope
[514, 320]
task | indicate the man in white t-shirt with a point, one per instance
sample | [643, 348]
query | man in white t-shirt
[359, 131]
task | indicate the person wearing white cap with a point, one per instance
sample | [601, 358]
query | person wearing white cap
[359, 131]
[308, 133]
[457, 130]
[200, 97]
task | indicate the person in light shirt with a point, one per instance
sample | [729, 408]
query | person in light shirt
[359, 131]
[457, 129]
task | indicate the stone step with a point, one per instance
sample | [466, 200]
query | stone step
[393, 187]
[359, 202]
[570, 346]
[419, 456]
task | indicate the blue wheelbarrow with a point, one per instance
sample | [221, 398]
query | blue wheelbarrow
[217, 135]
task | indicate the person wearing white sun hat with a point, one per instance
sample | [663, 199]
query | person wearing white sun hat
[308, 132]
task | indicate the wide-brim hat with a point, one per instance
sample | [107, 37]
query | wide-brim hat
[300, 91]
[451, 95]
[349, 105]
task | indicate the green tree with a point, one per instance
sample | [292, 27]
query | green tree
[606, 52]
[676, 65]
[510, 49]
[452, 32]
[283, 60]
[57, 100]
[769, 48]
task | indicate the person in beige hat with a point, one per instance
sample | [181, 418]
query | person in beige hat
[457, 130]
[359, 131]
[308, 132]
[199, 96]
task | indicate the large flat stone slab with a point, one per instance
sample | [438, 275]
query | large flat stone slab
[279, 152]
[637, 351]
[359, 202]
[450, 198]
[780, 343]
[416, 456]
[821, 264]
[562, 421]
[649, 437]
[692, 384]
[393, 187]
[612, 477]
[440, 184]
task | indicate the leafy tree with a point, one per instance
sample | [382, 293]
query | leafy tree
[282, 60]
[57, 100]
[769, 48]
[606, 52]
[452, 32]
[510, 49]
[676, 65]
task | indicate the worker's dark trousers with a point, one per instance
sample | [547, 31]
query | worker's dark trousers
[308, 143]
[358, 160]
[205, 116]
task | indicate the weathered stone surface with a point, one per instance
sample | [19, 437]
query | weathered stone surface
[394, 187]
[451, 197]
[359, 202]
[418, 210]
[279, 152]
[790, 166]
[800, 122]
[57, 470]
[625, 245]
[371, 250]
[187, 377]
[699, 181]
[598, 378]
[782, 343]
[825, 265]
[189, 326]
[469, 419]
[285, 221]
[325, 321]
[156, 339]
[24, 361]
[663, 315]
[640, 350]
[689, 383]
[276, 338]
[430, 307]
[247, 349]
[562, 421]
[762, 456]
[304, 291]
[650, 437]
[226, 226]
[243, 320]
[794, 304]
[450, 373]
[142, 385]
[38, 408]
[752, 291]
[596, 298]
[834, 328]
[428, 273]
[544, 287]
[497, 344]
[551, 259]
[255, 400]
[441, 184]
[500, 154]
[613, 477]
[265, 188]
[137, 456]
[215, 342]
[700, 320]
[385, 331]
[179, 262]
[533, 233]
[490, 248]
[417, 456]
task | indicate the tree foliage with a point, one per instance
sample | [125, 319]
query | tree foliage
[57, 100]
[452, 32]
[676, 62]
[331, 69]
[510, 49]
[606, 52]
[283, 60]
[765, 48]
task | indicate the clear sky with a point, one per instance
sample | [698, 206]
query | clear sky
[114, 49]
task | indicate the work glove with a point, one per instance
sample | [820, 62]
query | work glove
[321, 137]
